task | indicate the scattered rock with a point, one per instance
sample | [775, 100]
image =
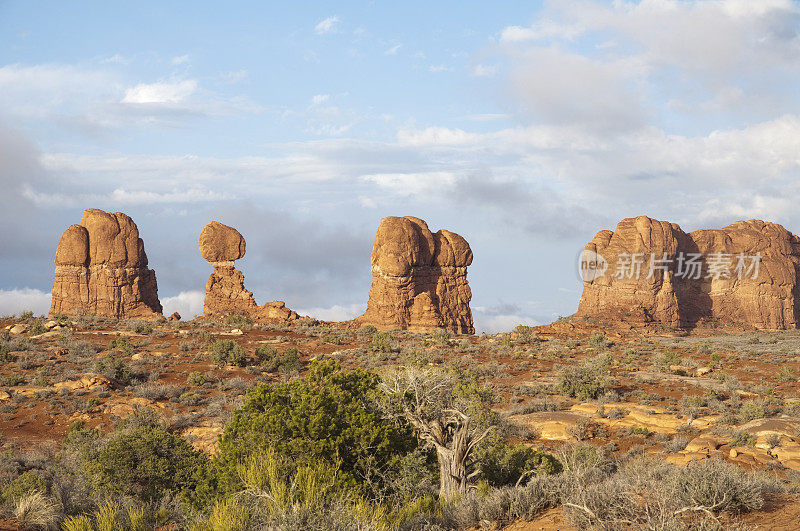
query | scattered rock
[702, 371]
[18, 329]
[649, 278]
[551, 425]
[419, 279]
[680, 369]
[175, 317]
[204, 438]
[101, 269]
[89, 382]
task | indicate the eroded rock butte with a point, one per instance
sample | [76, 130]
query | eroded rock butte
[101, 269]
[419, 278]
[747, 274]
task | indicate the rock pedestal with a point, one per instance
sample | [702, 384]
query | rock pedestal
[225, 292]
[419, 279]
[101, 269]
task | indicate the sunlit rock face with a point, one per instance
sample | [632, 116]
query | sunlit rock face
[221, 245]
[419, 278]
[745, 273]
[101, 269]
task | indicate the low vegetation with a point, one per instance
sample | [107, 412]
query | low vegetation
[324, 427]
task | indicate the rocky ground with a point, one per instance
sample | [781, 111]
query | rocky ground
[717, 392]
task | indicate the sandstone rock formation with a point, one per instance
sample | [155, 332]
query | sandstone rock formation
[101, 269]
[419, 279]
[745, 273]
[225, 292]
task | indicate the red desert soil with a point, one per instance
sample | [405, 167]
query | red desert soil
[697, 388]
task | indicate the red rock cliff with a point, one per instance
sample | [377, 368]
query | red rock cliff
[745, 273]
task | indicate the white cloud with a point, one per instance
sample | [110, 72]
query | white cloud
[181, 60]
[327, 25]
[406, 184]
[438, 68]
[187, 303]
[319, 99]
[16, 301]
[541, 30]
[161, 92]
[493, 324]
[115, 59]
[436, 136]
[233, 76]
[484, 70]
[121, 196]
[95, 102]
[334, 313]
[393, 50]
[367, 202]
[705, 54]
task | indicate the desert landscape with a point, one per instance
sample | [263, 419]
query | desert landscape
[663, 403]
[400, 266]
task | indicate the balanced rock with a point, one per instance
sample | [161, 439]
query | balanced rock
[419, 279]
[652, 271]
[101, 269]
[221, 245]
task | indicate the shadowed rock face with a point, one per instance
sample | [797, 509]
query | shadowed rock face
[225, 292]
[419, 279]
[101, 269]
[680, 294]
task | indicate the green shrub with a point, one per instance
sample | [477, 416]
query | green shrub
[670, 357]
[587, 380]
[750, 411]
[272, 360]
[196, 379]
[113, 368]
[241, 322]
[742, 438]
[123, 346]
[140, 326]
[190, 398]
[327, 415]
[367, 331]
[504, 464]
[598, 340]
[333, 339]
[139, 458]
[441, 337]
[525, 334]
[228, 352]
[24, 484]
[382, 342]
[13, 380]
[37, 327]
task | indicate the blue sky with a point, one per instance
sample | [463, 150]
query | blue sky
[526, 127]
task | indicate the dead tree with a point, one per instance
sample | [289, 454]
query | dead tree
[447, 412]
